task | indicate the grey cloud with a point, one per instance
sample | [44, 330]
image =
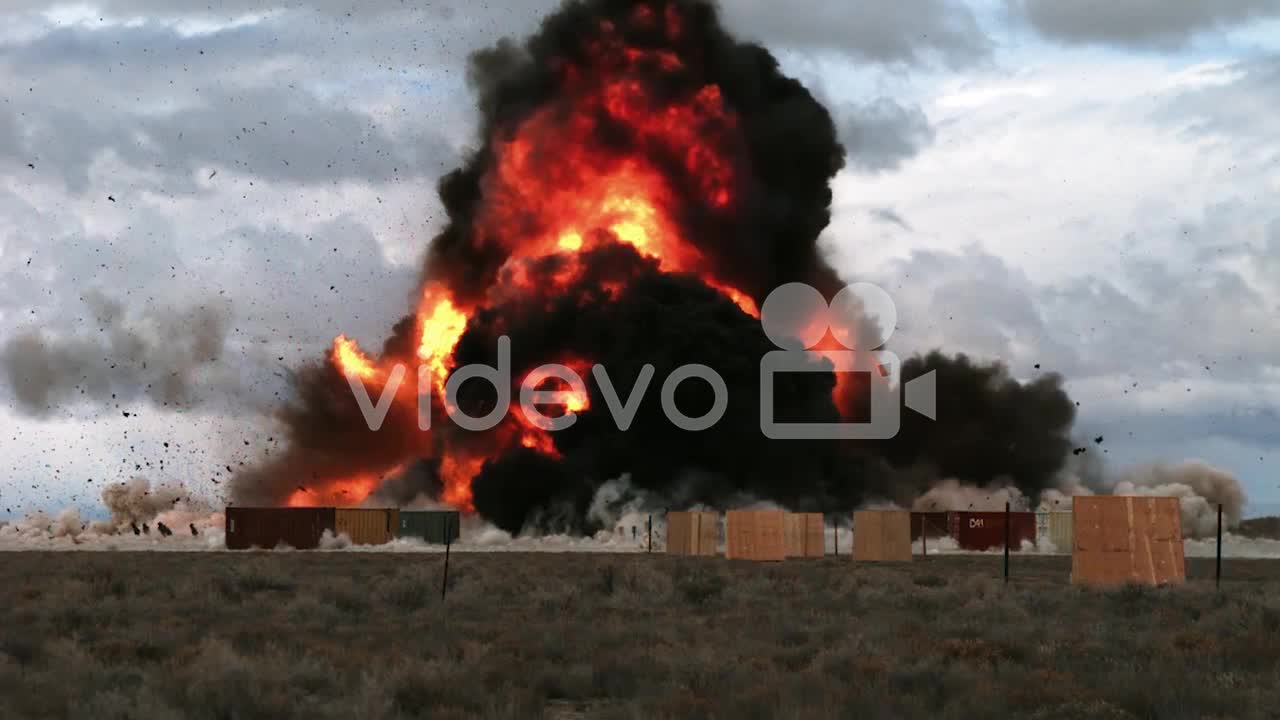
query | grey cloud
[1162, 324]
[1139, 23]
[883, 134]
[120, 353]
[973, 302]
[907, 31]
[1165, 331]
[1235, 104]
[286, 132]
[889, 216]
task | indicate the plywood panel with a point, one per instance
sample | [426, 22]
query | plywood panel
[896, 538]
[1127, 539]
[1168, 519]
[692, 533]
[1116, 525]
[794, 535]
[882, 536]
[1087, 514]
[868, 535]
[815, 536]
[804, 535]
[707, 534]
[756, 535]
[679, 533]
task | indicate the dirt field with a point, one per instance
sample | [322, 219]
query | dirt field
[347, 635]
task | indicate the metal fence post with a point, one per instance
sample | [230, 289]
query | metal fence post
[1218, 572]
[1006, 542]
[448, 543]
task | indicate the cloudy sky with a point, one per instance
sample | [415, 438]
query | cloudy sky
[221, 186]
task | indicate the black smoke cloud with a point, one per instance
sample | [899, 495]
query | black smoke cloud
[991, 427]
[789, 153]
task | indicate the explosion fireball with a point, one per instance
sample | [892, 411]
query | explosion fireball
[644, 181]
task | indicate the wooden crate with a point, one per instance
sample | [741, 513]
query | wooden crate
[693, 533]
[804, 535]
[1122, 539]
[755, 535]
[882, 536]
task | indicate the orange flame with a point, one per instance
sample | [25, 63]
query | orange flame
[440, 324]
[350, 359]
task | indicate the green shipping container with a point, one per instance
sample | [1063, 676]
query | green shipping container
[439, 527]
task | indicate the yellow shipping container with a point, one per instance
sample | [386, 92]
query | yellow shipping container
[368, 526]
[1056, 529]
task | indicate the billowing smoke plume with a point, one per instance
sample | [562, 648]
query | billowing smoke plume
[643, 181]
[951, 494]
[122, 353]
[136, 501]
[1199, 487]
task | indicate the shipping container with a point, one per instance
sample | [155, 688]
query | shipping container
[985, 530]
[367, 526]
[1054, 532]
[438, 527]
[693, 533]
[882, 536]
[804, 536]
[755, 535]
[1121, 539]
[935, 523]
[268, 528]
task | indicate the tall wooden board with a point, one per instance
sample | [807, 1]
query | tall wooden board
[1121, 539]
[882, 536]
[755, 535]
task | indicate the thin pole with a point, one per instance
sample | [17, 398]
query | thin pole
[1006, 542]
[448, 543]
[650, 534]
[1218, 574]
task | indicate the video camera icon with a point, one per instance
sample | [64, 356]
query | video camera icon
[862, 318]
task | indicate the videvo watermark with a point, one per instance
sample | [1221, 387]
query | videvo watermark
[795, 317]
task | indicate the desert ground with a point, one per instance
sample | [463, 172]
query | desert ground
[341, 635]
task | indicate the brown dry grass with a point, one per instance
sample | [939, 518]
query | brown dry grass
[240, 636]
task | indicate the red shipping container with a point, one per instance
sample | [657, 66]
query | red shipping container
[266, 528]
[985, 530]
[937, 524]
